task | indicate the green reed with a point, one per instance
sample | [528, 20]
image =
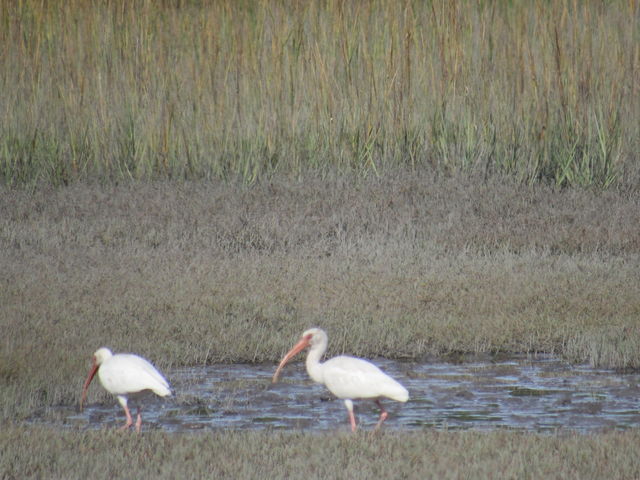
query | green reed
[226, 89]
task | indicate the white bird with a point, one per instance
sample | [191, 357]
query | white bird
[346, 377]
[122, 375]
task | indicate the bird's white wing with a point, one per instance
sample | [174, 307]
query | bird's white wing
[127, 373]
[350, 377]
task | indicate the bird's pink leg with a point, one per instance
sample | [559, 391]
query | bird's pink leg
[138, 423]
[383, 414]
[129, 419]
[352, 417]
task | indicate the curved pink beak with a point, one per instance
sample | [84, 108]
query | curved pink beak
[297, 348]
[85, 387]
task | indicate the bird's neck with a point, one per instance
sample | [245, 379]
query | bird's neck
[314, 367]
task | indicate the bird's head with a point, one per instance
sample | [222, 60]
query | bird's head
[99, 357]
[310, 338]
[314, 336]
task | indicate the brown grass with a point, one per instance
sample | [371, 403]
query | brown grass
[43, 453]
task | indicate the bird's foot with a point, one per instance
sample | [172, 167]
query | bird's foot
[383, 417]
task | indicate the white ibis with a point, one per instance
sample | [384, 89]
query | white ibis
[347, 378]
[122, 375]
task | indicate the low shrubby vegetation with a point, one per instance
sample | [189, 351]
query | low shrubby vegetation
[43, 453]
[403, 267]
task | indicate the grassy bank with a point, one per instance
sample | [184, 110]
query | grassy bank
[224, 89]
[403, 267]
[44, 453]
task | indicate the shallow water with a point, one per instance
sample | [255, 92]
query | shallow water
[522, 393]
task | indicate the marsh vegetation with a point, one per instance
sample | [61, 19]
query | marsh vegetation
[223, 89]
[400, 267]
[43, 453]
[199, 182]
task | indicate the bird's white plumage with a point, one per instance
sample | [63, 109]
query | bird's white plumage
[350, 377]
[125, 373]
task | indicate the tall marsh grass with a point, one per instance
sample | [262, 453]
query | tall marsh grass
[115, 90]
